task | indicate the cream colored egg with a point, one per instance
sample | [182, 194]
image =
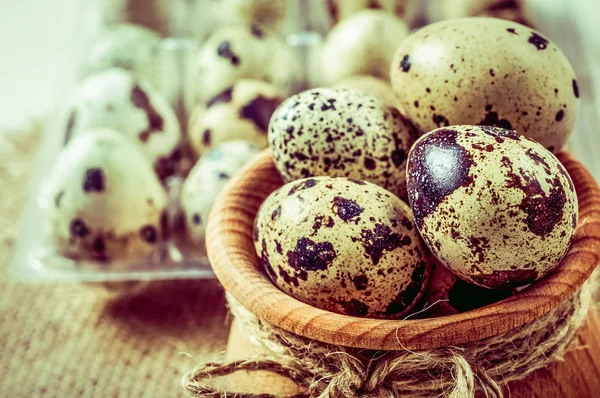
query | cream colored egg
[362, 44]
[103, 202]
[241, 112]
[486, 71]
[496, 208]
[341, 133]
[353, 247]
[240, 52]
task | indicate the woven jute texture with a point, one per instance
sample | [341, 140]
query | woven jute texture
[67, 340]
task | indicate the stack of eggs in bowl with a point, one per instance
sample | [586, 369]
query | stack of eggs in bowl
[438, 184]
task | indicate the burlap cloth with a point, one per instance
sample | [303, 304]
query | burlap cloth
[64, 340]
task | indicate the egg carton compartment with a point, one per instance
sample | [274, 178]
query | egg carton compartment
[304, 26]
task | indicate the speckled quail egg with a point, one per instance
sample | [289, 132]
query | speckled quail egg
[364, 43]
[103, 201]
[353, 248]
[115, 99]
[342, 9]
[341, 133]
[152, 14]
[237, 52]
[241, 112]
[129, 47]
[498, 209]
[373, 86]
[487, 71]
[207, 178]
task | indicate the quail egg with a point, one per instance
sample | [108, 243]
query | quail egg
[373, 86]
[237, 52]
[207, 178]
[115, 99]
[241, 112]
[498, 209]
[353, 248]
[487, 71]
[129, 47]
[341, 133]
[364, 43]
[102, 201]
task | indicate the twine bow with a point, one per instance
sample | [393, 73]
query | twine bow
[328, 371]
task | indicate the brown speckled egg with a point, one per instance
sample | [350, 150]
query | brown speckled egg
[241, 112]
[487, 71]
[373, 86]
[341, 133]
[342, 245]
[496, 208]
[363, 44]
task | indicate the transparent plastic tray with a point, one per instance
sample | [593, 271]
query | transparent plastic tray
[304, 27]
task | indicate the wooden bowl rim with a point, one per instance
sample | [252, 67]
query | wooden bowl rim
[238, 271]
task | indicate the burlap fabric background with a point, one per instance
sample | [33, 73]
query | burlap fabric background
[63, 340]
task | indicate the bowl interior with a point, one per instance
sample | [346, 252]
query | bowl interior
[231, 251]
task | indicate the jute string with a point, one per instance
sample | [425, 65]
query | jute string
[325, 370]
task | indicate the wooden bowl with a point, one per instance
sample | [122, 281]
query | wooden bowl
[231, 252]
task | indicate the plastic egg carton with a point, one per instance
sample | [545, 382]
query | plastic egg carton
[304, 26]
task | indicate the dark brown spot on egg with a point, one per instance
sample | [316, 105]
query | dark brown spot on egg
[405, 298]
[78, 228]
[478, 247]
[308, 183]
[265, 261]
[276, 213]
[492, 119]
[321, 221]
[140, 100]
[149, 234]
[440, 120]
[543, 210]
[416, 103]
[381, 239]
[505, 279]
[370, 164]
[405, 63]
[98, 245]
[537, 159]
[225, 51]
[559, 115]
[256, 31]
[511, 30]
[353, 307]
[259, 111]
[224, 97]
[500, 133]
[93, 180]
[575, 88]
[407, 223]
[311, 256]
[437, 166]
[70, 126]
[360, 281]
[538, 41]
[57, 198]
[346, 209]
[196, 219]
[206, 137]
[166, 166]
